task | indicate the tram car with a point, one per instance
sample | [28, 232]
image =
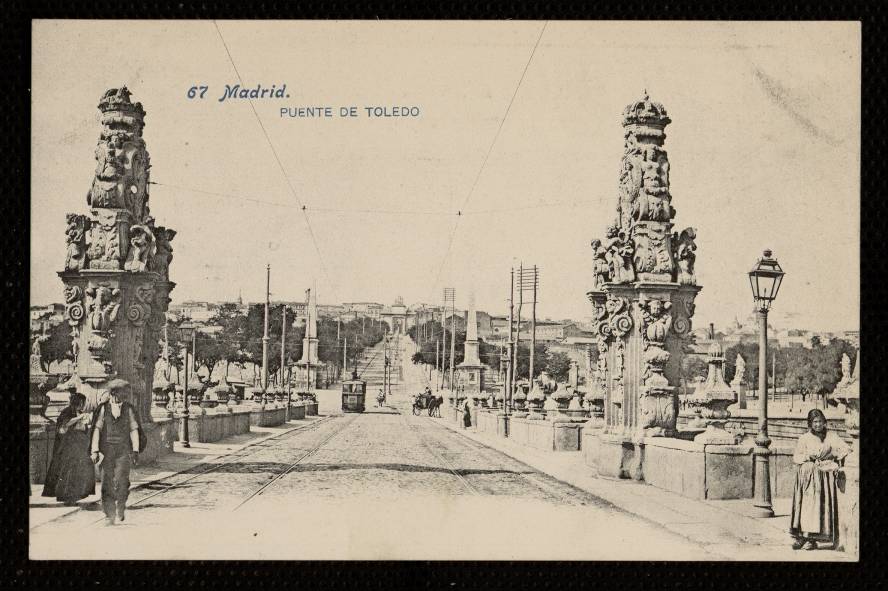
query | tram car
[354, 393]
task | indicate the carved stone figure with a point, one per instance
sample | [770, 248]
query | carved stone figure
[103, 307]
[75, 236]
[630, 182]
[142, 248]
[685, 255]
[163, 254]
[106, 233]
[846, 369]
[600, 266]
[739, 371]
[619, 252]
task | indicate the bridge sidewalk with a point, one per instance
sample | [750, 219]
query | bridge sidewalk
[720, 527]
[42, 510]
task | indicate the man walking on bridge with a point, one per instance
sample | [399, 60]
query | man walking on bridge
[115, 445]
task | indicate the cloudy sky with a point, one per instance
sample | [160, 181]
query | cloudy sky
[764, 151]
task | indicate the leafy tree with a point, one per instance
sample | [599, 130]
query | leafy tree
[694, 366]
[557, 365]
[58, 347]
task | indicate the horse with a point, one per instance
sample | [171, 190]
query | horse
[435, 406]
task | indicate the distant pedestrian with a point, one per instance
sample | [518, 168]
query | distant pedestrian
[467, 414]
[71, 475]
[115, 446]
[819, 454]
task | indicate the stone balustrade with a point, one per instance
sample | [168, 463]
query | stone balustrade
[210, 424]
[267, 415]
[782, 427]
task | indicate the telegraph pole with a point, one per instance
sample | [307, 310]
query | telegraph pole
[515, 375]
[283, 340]
[444, 335]
[265, 334]
[533, 322]
[308, 340]
[450, 296]
[508, 383]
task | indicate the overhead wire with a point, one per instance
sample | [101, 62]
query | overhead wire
[279, 163]
[372, 211]
[484, 161]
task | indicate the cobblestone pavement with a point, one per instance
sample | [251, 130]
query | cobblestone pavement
[382, 484]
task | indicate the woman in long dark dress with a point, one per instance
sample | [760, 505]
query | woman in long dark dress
[52, 472]
[76, 474]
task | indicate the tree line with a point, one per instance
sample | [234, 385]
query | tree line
[555, 363]
[801, 371]
[232, 336]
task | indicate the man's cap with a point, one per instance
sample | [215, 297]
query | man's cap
[117, 384]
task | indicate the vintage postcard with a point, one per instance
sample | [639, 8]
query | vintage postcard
[451, 290]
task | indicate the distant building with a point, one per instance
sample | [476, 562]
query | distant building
[330, 311]
[197, 311]
[363, 309]
[46, 316]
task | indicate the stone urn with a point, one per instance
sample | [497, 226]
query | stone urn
[39, 386]
[562, 396]
[535, 399]
[519, 396]
[256, 397]
[224, 392]
[268, 397]
[280, 396]
[178, 399]
[711, 400]
[209, 399]
[575, 408]
[161, 395]
[550, 409]
[196, 390]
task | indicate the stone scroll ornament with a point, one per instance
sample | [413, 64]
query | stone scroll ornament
[613, 324]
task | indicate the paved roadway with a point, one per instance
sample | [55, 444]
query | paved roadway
[380, 485]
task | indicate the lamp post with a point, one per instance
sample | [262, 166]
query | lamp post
[764, 279]
[186, 333]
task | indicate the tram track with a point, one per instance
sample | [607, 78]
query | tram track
[559, 492]
[310, 452]
[441, 460]
[231, 458]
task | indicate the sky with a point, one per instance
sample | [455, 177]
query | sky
[518, 131]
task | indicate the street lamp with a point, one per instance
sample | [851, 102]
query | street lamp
[764, 279]
[187, 333]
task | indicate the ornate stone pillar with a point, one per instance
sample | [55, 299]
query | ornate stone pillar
[643, 295]
[116, 276]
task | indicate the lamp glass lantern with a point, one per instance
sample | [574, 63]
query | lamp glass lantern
[765, 279]
[186, 331]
